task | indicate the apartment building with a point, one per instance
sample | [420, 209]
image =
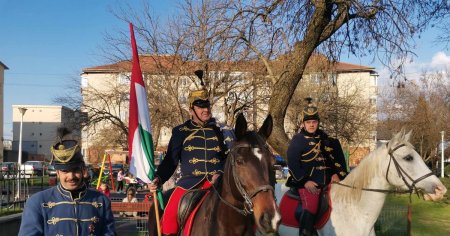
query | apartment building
[3, 67]
[39, 126]
[249, 84]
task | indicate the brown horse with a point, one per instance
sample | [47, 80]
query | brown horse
[243, 202]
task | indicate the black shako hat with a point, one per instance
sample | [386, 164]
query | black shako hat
[199, 98]
[66, 153]
[310, 112]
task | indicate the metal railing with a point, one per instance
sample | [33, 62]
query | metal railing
[13, 196]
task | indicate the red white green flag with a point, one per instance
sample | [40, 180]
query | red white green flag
[140, 142]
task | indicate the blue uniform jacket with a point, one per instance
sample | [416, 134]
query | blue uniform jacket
[54, 212]
[201, 151]
[314, 157]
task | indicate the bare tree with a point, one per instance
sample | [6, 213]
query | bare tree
[300, 28]
[279, 35]
[422, 106]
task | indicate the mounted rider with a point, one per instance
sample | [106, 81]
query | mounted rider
[314, 160]
[200, 146]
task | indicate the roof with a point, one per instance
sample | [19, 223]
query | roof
[347, 67]
[157, 64]
[4, 66]
[148, 63]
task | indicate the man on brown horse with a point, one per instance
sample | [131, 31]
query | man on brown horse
[314, 159]
[200, 146]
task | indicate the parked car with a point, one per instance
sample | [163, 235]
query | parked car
[9, 166]
[9, 169]
[279, 160]
[34, 168]
[51, 171]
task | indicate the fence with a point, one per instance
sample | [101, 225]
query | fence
[392, 221]
[129, 224]
[13, 197]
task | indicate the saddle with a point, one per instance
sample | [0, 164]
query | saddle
[188, 203]
[290, 208]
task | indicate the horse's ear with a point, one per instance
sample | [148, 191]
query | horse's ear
[241, 126]
[408, 136]
[266, 128]
[397, 138]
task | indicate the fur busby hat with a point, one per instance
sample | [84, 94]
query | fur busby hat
[199, 98]
[310, 112]
[66, 153]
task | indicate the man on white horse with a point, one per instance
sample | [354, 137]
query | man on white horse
[314, 159]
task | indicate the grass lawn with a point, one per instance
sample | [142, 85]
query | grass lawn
[5, 212]
[428, 218]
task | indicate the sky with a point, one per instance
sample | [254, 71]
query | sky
[47, 43]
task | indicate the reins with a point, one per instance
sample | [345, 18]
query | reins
[248, 204]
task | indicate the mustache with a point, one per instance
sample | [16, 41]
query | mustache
[73, 179]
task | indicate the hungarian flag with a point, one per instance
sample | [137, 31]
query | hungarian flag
[140, 142]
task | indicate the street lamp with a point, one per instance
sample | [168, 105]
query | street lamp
[442, 154]
[19, 161]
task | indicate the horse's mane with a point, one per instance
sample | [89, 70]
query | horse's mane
[367, 170]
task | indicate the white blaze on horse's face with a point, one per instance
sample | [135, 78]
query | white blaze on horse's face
[258, 153]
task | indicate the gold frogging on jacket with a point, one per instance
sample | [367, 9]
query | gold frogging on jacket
[196, 160]
[322, 167]
[185, 128]
[192, 148]
[55, 220]
[190, 137]
[53, 204]
[315, 149]
[199, 173]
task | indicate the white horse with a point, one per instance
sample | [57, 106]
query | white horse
[357, 203]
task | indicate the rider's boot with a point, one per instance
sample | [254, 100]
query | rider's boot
[307, 224]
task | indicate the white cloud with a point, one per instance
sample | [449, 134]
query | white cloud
[440, 61]
[413, 69]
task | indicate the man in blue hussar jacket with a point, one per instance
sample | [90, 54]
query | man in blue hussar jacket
[69, 208]
[314, 160]
[200, 146]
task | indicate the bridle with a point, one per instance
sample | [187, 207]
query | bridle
[248, 204]
[401, 173]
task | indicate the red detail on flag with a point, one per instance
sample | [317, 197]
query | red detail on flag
[136, 77]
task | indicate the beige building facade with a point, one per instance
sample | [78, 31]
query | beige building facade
[3, 67]
[40, 123]
[349, 79]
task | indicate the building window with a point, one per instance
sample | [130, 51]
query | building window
[40, 134]
[373, 101]
[84, 82]
[123, 79]
[40, 146]
[32, 134]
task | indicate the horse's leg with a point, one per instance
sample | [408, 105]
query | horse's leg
[372, 232]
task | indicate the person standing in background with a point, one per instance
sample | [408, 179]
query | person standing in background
[120, 179]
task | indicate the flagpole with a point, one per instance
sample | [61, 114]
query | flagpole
[155, 202]
[134, 125]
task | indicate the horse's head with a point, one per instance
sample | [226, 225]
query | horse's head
[251, 164]
[407, 170]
